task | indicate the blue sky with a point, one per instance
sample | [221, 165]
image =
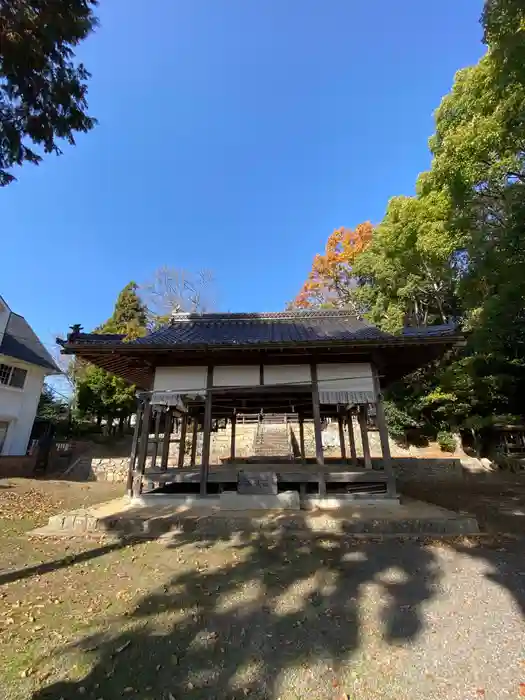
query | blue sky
[234, 135]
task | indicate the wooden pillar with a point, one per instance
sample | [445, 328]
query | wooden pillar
[182, 440]
[155, 451]
[168, 423]
[319, 456]
[206, 437]
[140, 464]
[301, 440]
[232, 444]
[351, 439]
[195, 427]
[134, 448]
[341, 437]
[383, 436]
[361, 415]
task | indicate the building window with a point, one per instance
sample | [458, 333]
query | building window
[5, 374]
[3, 434]
[12, 376]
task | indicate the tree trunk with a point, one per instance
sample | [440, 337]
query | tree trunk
[109, 425]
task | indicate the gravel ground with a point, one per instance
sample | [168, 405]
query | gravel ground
[326, 619]
[259, 617]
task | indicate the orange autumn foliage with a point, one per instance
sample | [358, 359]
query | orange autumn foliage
[330, 279]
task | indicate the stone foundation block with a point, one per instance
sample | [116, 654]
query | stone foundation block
[231, 500]
[344, 501]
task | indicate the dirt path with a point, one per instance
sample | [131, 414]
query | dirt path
[326, 618]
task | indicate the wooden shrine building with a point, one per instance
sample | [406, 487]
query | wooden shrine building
[204, 369]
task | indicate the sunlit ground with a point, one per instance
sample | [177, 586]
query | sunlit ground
[257, 617]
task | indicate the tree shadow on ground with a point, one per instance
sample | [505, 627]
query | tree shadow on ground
[62, 563]
[506, 558]
[278, 604]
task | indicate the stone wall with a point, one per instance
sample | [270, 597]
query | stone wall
[109, 469]
[408, 466]
[115, 468]
[429, 469]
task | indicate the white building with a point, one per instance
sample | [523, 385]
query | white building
[24, 364]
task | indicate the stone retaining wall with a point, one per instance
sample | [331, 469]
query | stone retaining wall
[109, 469]
[406, 467]
[418, 469]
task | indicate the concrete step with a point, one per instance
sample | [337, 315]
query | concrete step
[152, 518]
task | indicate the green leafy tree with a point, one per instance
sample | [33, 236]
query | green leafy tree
[42, 88]
[407, 276]
[51, 406]
[456, 251]
[99, 393]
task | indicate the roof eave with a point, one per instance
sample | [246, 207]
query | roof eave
[131, 348]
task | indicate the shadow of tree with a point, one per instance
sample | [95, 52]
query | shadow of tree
[63, 562]
[506, 559]
[275, 605]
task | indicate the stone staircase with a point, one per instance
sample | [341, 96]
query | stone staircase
[272, 440]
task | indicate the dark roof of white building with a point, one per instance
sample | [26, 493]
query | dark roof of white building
[21, 343]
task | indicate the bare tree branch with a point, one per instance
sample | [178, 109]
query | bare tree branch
[174, 290]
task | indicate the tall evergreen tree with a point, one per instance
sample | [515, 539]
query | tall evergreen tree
[100, 393]
[130, 315]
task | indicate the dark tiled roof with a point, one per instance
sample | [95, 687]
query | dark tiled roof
[21, 343]
[430, 331]
[250, 329]
[95, 338]
[244, 329]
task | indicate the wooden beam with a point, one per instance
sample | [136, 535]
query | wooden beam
[155, 451]
[134, 448]
[182, 440]
[232, 444]
[341, 437]
[168, 423]
[206, 437]
[195, 427]
[143, 449]
[364, 435]
[229, 475]
[301, 439]
[351, 439]
[316, 407]
[383, 435]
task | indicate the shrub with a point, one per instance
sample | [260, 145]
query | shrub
[398, 421]
[446, 441]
